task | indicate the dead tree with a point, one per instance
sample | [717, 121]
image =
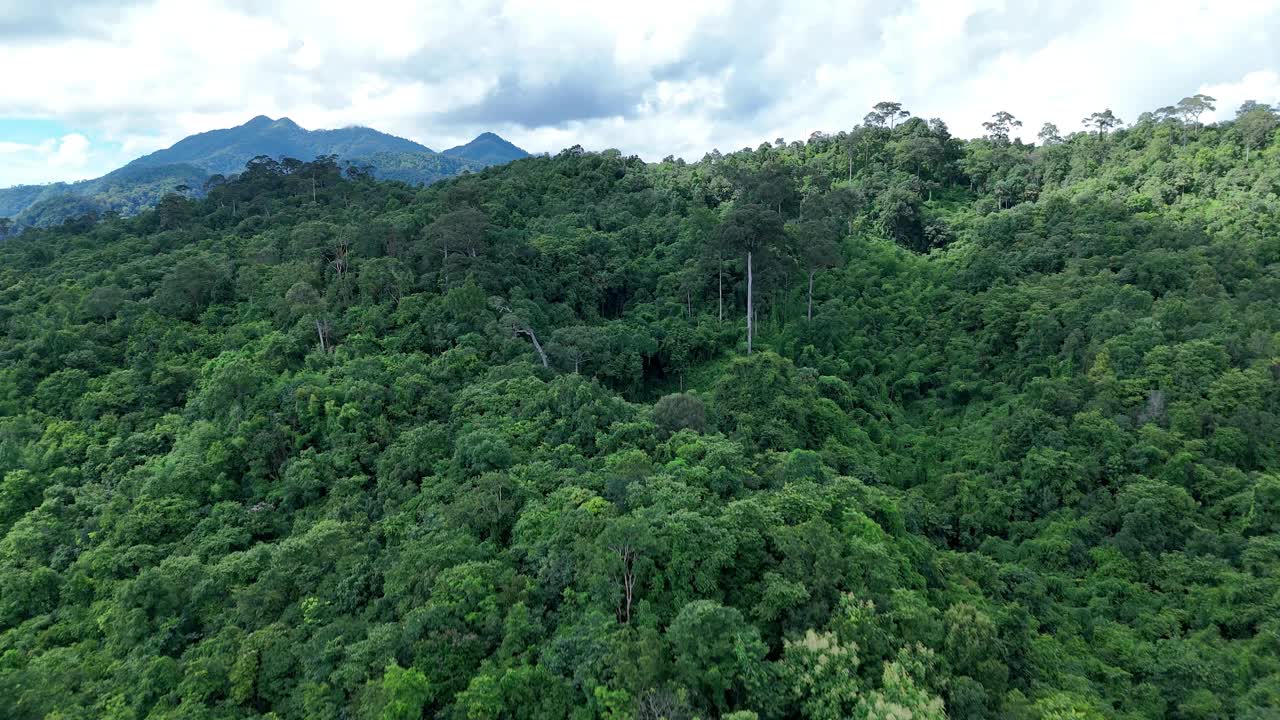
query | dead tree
[626, 553]
[519, 326]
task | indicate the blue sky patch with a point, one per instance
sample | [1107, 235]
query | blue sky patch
[33, 131]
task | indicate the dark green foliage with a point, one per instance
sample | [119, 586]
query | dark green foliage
[680, 411]
[1006, 445]
[416, 168]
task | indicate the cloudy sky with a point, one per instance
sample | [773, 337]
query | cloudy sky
[86, 85]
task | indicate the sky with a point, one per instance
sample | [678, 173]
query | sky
[87, 85]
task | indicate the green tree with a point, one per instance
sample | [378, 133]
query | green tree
[887, 112]
[716, 654]
[463, 233]
[1256, 124]
[752, 230]
[191, 286]
[999, 127]
[1104, 122]
[407, 693]
[1049, 134]
[306, 303]
[818, 246]
[1191, 108]
[680, 411]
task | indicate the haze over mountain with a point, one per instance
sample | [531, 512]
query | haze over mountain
[193, 160]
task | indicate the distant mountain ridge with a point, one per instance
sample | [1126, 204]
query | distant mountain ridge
[192, 160]
[487, 148]
[128, 190]
[226, 151]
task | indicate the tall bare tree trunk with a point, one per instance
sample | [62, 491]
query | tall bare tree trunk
[750, 307]
[627, 556]
[320, 332]
[810, 318]
[537, 346]
[720, 287]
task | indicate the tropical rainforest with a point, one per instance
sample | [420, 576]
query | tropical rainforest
[882, 424]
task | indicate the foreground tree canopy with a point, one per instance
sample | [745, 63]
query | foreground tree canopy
[1002, 440]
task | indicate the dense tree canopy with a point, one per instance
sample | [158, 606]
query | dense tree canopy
[315, 445]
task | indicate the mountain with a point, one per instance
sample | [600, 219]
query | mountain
[489, 149]
[127, 191]
[419, 168]
[193, 160]
[226, 151]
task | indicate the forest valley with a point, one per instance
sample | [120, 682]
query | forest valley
[882, 424]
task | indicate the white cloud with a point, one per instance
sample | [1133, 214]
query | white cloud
[660, 77]
[1262, 86]
[66, 158]
[10, 148]
[72, 151]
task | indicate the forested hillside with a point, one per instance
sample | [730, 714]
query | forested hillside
[196, 162]
[226, 151]
[126, 191]
[1003, 441]
[488, 149]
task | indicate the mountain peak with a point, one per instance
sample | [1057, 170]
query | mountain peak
[262, 122]
[224, 151]
[488, 148]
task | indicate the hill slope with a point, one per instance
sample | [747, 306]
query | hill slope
[226, 151]
[193, 160]
[314, 446]
[418, 168]
[126, 191]
[488, 149]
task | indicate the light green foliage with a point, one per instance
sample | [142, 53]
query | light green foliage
[407, 693]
